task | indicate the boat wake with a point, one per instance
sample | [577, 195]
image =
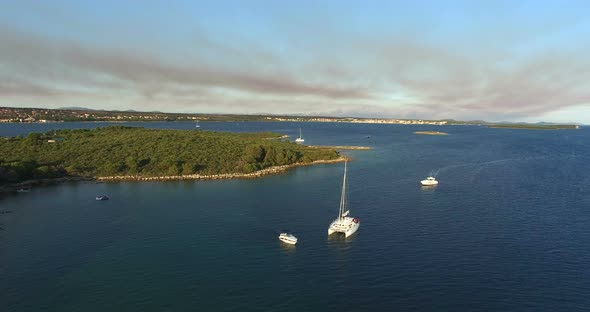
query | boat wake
[475, 168]
[480, 165]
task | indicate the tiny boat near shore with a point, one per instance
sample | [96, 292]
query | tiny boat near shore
[430, 181]
[288, 238]
[102, 197]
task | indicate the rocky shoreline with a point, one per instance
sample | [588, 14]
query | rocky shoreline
[342, 147]
[223, 176]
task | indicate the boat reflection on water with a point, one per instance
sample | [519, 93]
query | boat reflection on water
[341, 247]
[429, 188]
[340, 237]
[288, 248]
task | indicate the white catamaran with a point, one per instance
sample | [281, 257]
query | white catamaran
[344, 223]
[300, 138]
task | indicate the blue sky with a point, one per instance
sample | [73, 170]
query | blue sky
[491, 60]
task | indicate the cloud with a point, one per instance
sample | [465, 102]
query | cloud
[70, 61]
[534, 88]
[17, 88]
[340, 75]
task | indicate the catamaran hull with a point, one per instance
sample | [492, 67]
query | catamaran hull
[347, 228]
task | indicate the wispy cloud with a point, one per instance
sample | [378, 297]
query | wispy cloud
[9, 87]
[344, 75]
[39, 58]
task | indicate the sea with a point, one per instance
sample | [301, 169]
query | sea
[506, 229]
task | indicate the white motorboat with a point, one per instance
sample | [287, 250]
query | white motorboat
[300, 138]
[288, 238]
[344, 223]
[429, 181]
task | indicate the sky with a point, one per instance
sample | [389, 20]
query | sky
[465, 60]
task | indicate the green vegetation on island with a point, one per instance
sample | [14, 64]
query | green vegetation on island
[134, 151]
[431, 132]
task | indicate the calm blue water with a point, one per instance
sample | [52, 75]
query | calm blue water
[507, 229]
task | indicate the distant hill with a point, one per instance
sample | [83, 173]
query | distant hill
[76, 108]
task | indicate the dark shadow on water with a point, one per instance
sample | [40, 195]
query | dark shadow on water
[338, 240]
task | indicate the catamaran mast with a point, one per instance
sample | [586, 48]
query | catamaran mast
[343, 196]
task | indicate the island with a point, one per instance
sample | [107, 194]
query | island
[119, 153]
[431, 133]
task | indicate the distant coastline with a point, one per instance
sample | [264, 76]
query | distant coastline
[80, 114]
[534, 127]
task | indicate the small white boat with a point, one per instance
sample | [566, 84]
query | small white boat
[102, 197]
[300, 138]
[344, 223]
[429, 181]
[288, 238]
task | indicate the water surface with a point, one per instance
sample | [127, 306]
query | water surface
[505, 230]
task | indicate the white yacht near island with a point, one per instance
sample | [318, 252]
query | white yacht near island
[344, 223]
[288, 238]
[430, 181]
[300, 138]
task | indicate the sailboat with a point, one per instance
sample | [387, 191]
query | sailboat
[344, 223]
[197, 125]
[300, 138]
